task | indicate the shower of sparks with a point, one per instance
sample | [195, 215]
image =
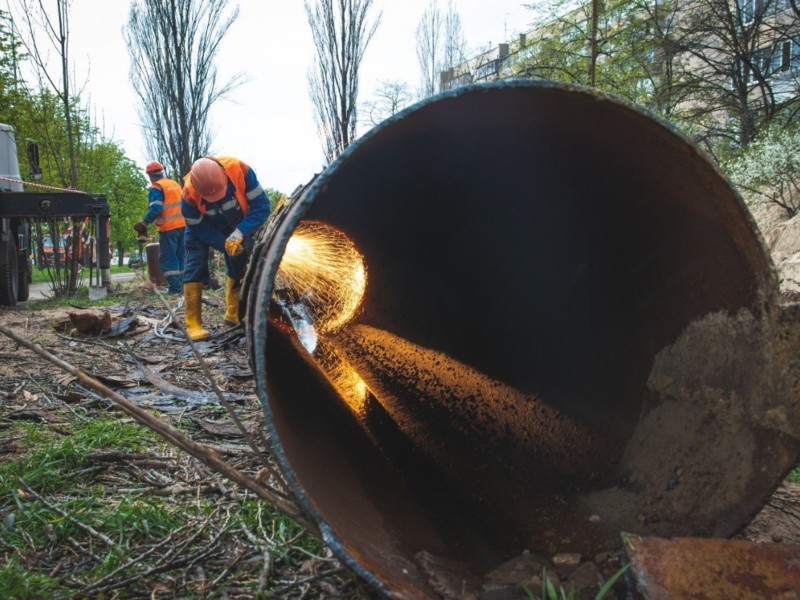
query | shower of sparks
[322, 270]
[351, 388]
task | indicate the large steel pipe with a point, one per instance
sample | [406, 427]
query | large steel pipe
[570, 329]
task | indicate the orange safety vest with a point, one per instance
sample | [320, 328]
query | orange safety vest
[234, 169]
[171, 217]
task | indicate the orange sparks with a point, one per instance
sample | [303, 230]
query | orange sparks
[322, 270]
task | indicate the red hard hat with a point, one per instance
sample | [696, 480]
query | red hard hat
[209, 179]
[153, 167]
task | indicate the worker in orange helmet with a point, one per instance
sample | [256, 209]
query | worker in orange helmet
[224, 205]
[164, 201]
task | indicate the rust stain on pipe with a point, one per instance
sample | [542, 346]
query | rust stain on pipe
[713, 569]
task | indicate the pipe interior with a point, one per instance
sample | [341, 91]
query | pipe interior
[551, 242]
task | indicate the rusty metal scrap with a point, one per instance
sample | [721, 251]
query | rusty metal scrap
[713, 569]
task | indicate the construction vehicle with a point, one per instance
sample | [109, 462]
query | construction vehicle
[20, 211]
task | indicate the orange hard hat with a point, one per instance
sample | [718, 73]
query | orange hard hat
[209, 179]
[153, 167]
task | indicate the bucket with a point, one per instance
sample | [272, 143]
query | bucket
[570, 328]
[154, 272]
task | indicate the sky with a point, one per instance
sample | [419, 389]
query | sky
[268, 122]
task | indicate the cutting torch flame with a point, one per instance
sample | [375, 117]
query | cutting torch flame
[323, 271]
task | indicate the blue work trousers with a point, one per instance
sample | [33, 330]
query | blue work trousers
[172, 258]
[197, 257]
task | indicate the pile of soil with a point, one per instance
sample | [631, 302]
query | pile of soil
[781, 234]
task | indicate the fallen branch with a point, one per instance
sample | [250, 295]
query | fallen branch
[282, 591]
[174, 558]
[205, 455]
[82, 526]
[221, 397]
[130, 563]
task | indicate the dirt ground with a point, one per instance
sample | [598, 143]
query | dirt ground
[148, 362]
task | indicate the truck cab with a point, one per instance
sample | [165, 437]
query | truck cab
[15, 254]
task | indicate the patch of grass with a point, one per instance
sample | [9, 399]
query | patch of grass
[263, 519]
[794, 476]
[136, 518]
[55, 464]
[50, 462]
[40, 523]
[129, 521]
[110, 432]
[19, 582]
[33, 434]
[43, 275]
[550, 592]
[171, 528]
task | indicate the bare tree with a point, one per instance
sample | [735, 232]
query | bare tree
[440, 45]
[738, 67]
[389, 98]
[429, 48]
[47, 30]
[455, 44]
[341, 31]
[172, 46]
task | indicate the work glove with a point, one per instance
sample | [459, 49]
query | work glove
[233, 245]
[141, 227]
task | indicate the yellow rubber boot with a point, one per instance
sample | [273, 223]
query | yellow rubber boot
[192, 304]
[232, 302]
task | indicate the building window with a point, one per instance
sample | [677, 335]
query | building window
[786, 55]
[779, 6]
[486, 70]
[751, 9]
[760, 63]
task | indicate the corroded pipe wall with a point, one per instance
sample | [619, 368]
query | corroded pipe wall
[567, 331]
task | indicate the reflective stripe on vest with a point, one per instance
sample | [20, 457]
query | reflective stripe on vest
[171, 217]
[235, 170]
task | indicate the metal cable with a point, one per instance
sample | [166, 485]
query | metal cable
[42, 186]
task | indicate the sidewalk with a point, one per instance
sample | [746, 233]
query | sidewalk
[41, 291]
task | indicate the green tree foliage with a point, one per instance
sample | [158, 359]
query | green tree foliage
[276, 199]
[108, 171]
[14, 100]
[10, 54]
[103, 167]
[44, 123]
[605, 44]
[44, 33]
[768, 170]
